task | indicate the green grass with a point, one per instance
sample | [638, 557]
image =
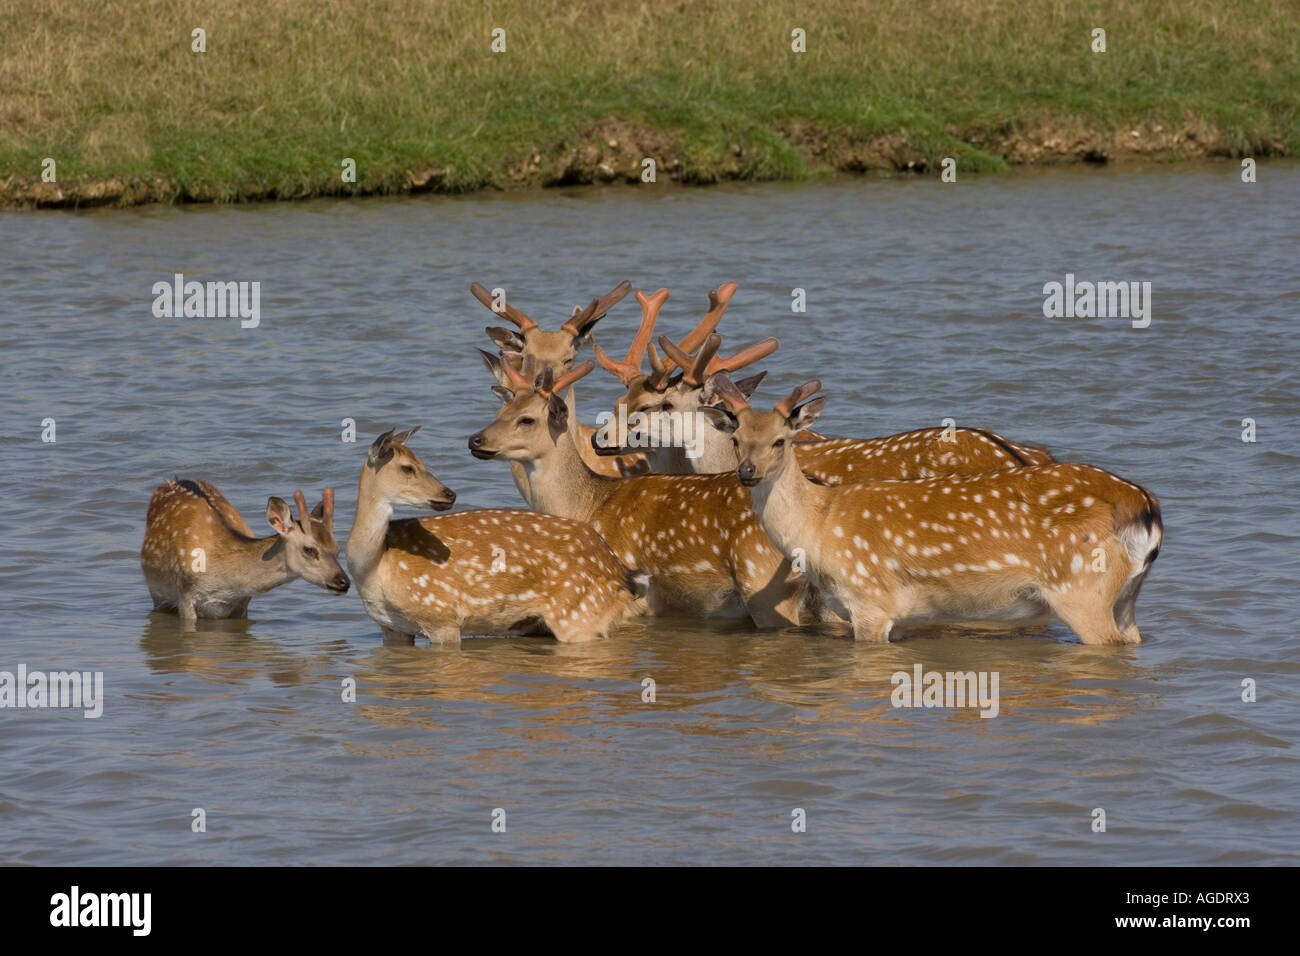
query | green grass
[712, 90]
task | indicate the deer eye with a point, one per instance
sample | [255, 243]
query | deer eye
[778, 443]
[311, 553]
[668, 406]
[408, 470]
[525, 421]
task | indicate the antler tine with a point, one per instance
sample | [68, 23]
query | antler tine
[659, 370]
[703, 358]
[719, 299]
[628, 370]
[596, 308]
[514, 315]
[786, 406]
[301, 501]
[731, 396]
[746, 356]
[571, 376]
[623, 371]
[675, 353]
[650, 306]
[327, 499]
[528, 369]
[518, 377]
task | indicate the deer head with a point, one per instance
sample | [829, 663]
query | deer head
[310, 550]
[393, 475]
[762, 439]
[530, 422]
[556, 350]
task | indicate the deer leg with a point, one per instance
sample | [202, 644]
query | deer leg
[442, 634]
[185, 607]
[772, 592]
[394, 636]
[871, 625]
[570, 632]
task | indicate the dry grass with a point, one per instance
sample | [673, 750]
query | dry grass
[288, 88]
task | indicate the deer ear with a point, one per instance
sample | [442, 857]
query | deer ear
[277, 515]
[380, 448]
[401, 439]
[747, 385]
[806, 414]
[719, 418]
[506, 339]
[493, 363]
[503, 393]
[585, 330]
[318, 513]
[557, 413]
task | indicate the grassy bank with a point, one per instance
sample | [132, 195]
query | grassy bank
[585, 90]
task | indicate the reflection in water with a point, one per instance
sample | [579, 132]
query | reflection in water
[699, 672]
[224, 651]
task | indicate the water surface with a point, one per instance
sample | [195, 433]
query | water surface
[924, 303]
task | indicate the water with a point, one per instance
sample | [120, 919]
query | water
[924, 302]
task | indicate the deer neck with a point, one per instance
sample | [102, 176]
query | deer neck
[521, 471]
[520, 475]
[790, 507]
[369, 527]
[561, 483]
[260, 566]
[716, 453]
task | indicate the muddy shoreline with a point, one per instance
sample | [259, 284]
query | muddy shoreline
[613, 151]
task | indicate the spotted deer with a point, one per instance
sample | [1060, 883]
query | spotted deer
[922, 453]
[695, 535]
[1004, 546]
[201, 559]
[492, 571]
[663, 403]
[666, 391]
[556, 351]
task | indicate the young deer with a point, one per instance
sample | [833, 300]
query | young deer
[201, 559]
[494, 571]
[999, 547]
[694, 534]
[556, 351]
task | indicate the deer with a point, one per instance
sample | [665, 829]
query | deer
[487, 571]
[920, 453]
[201, 559]
[554, 350]
[668, 401]
[672, 397]
[694, 535]
[1000, 547]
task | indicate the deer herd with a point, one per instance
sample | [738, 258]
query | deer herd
[732, 511]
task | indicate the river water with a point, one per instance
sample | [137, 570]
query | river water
[924, 302]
